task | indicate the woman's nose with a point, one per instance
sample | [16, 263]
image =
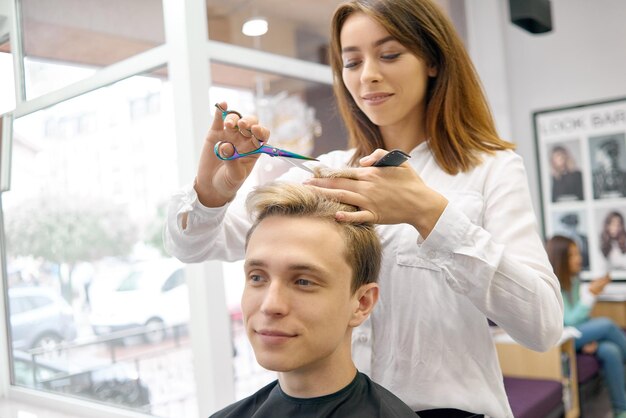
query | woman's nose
[370, 71]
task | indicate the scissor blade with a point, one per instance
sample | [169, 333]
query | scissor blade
[297, 163]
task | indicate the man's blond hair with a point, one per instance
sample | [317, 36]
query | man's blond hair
[362, 246]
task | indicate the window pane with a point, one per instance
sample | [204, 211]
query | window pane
[301, 118]
[297, 29]
[301, 114]
[90, 34]
[7, 80]
[86, 268]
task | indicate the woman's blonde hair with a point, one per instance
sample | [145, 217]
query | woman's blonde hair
[458, 120]
[362, 245]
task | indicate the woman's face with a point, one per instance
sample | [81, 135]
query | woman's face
[615, 226]
[385, 79]
[575, 259]
[558, 160]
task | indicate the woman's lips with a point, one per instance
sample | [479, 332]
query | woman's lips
[375, 98]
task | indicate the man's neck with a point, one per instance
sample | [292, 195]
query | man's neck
[319, 379]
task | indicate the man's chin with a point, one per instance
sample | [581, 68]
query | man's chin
[277, 364]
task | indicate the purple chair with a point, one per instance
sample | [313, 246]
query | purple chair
[534, 398]
[590, 380]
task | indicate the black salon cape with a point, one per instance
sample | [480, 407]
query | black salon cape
[362, 398]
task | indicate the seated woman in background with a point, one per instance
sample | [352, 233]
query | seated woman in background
[599, 336]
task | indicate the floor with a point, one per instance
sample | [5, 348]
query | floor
[597, 407]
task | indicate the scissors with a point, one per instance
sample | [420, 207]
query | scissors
[291, 157]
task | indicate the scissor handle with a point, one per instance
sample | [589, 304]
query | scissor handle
[226, 112]
[262, 149]
[237, 154]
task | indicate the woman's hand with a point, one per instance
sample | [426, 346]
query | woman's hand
[218, 181]
[590, 348]
[597, 286]
[385, 195]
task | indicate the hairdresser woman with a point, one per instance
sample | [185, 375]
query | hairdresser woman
[456, 222]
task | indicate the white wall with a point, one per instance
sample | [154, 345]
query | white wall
[582, 60]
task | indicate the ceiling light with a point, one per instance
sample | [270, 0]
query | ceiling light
[255, 26]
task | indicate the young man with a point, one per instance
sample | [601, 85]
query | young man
[309, 281]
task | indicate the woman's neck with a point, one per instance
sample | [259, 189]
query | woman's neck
[404, 137]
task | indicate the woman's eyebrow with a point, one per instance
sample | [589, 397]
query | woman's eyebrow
[375, 44]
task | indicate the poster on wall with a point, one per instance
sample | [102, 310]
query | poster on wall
[582, 169]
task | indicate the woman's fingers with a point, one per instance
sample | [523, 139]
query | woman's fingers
[349, 198]
[218, 123]
[243, 133]
[341, 195]
[260, 132]
[226, 149]
[360, 216]
[369, 160]
[347, 179]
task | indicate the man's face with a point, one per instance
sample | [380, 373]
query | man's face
[297, 303]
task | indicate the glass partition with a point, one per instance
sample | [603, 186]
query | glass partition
[90, 35]
[301, 117]
[97, 309]
[297, 29]
[7, 78]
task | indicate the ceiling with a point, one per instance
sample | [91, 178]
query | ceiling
[81, 32]
[309, 13]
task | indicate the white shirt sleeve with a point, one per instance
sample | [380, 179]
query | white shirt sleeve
[211, 233]
[502, 266]
[586, 297]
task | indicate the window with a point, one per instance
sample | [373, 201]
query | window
[81, 219]
[96, 170]
[7, 79]
[91, 36]
[297, 29]
[175, 280]
[130, 283]
[295, 111]
[279, 102]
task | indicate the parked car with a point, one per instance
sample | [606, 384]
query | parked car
[39, 317]
[152, 296]
[116, 383]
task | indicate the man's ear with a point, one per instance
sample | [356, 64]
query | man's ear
[365, 299]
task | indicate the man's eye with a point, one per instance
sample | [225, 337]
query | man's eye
[304, 282]
[255, 278]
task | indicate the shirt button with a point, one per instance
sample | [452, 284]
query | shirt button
[363, 338]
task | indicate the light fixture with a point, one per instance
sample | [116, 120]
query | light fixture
[255, 26]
